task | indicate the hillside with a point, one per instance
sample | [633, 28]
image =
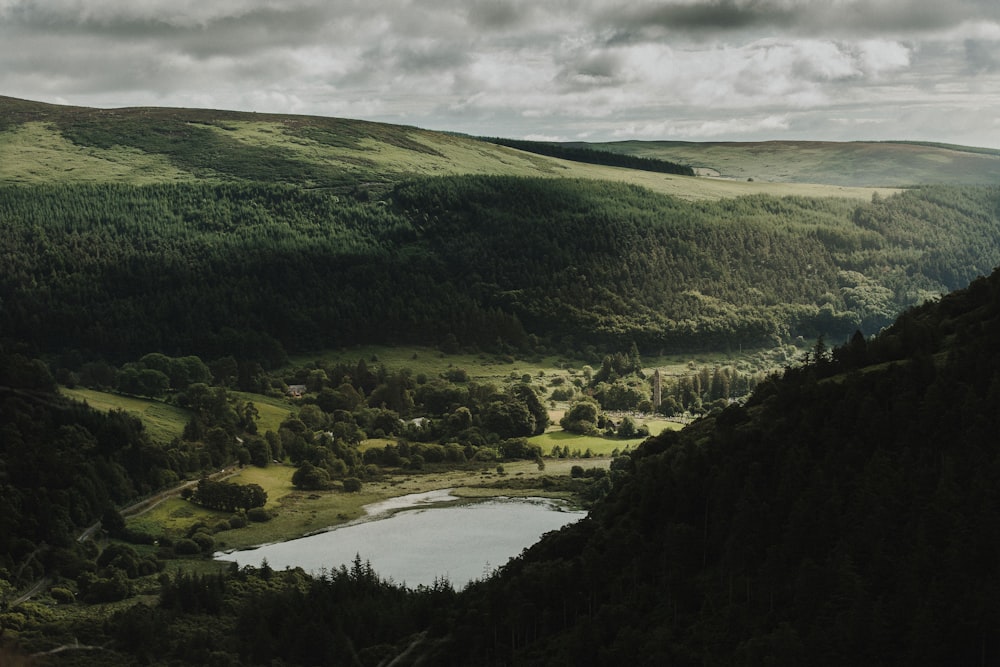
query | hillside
[885, 164]
[258, 270]
[848, 514]
[43, 143]
[129, 231]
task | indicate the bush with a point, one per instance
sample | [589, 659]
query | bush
[13, 620]
[237, 521]
[205, 542]
[136, 536]
[485, 454]
[352, 484]
[258, 515]
[186, 547]
[62, 595]
[576, 472]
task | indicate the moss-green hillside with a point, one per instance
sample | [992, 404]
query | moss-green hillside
[868, 163]
[43, 143]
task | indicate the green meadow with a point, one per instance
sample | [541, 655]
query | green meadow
[49, 144]
[163, 421]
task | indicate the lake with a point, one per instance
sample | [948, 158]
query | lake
[418, 538]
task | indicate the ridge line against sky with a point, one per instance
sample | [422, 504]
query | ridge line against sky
[593, 70]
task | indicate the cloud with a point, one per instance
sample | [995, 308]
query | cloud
[652, 19]
[567, 68]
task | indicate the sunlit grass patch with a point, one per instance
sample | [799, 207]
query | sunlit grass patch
[38, 153]
[276, 480]
[271, 411]
[163, 422]
[598, 445]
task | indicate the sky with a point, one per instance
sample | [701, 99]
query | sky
[592, 70]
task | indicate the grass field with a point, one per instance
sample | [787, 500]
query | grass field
[598, 445]
[37, 153]
[886, 164]
[163, 422]
[271, 411]
[340, 152]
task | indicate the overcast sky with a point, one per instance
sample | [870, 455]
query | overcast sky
[594, 70]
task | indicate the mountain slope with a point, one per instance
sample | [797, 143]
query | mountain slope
[849, 514]
[248, 268]
[887, 164]
[42, 143]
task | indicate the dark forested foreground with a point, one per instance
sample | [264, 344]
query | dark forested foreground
[847, 514]
[255, 271]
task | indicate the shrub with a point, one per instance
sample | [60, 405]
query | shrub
[136, 536]
[13, 620]
[204, 541]
[352, 484]
[186, 547]
[258, 515]
[62, 595]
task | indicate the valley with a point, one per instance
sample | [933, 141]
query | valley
[772, 389]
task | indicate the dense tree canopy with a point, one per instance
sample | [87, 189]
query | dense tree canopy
[253, 271]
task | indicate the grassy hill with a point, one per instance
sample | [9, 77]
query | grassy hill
[859, 163]
[44, 143]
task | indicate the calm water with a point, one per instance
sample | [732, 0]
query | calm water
[410, 541]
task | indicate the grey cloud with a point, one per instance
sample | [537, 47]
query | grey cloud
[570, 68]
[497, 14]
[981, 56]
[595, 70]
[652, 20]
[718, 15]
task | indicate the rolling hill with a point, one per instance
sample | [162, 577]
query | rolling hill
[44, 143]
[126, 231]
[848, 164]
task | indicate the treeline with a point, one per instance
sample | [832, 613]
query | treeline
[228, 497]
[593, 156]
[253, 272]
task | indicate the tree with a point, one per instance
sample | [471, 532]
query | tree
[509, 418]
[581, 417]
[311, 478]
[535, 407]
[627, 428]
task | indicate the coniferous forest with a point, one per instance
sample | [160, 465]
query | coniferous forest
[844, 512]
[253, 270]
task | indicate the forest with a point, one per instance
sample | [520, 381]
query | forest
[113, 272]
[594, 156]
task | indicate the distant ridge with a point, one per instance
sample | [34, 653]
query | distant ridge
[854, 163]
[42, 142]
